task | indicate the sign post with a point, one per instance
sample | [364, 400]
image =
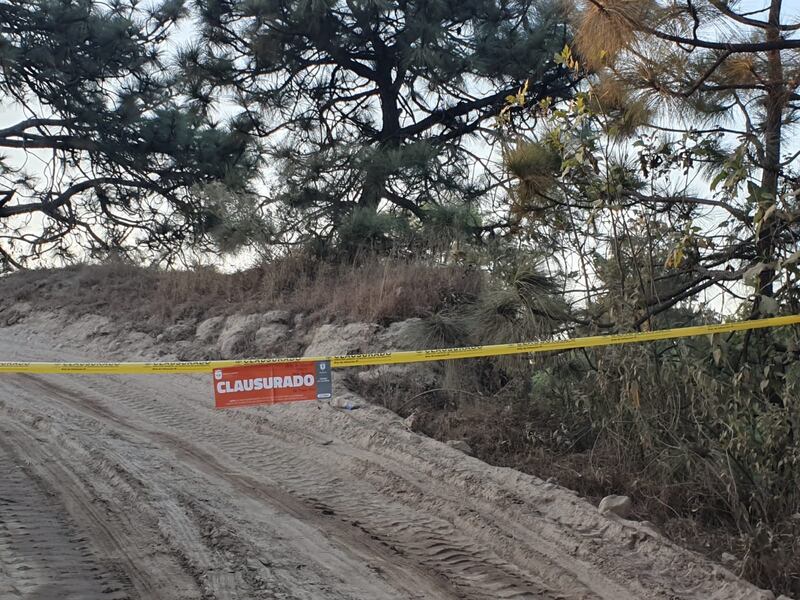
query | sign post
[250, 385]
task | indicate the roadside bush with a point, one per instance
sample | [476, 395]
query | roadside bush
[709, 435]
[702, 433]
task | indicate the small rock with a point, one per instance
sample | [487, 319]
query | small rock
[238, 334]
[400, 335]
[277, 316]
[233, 345]
[460, 445]
[12, 317]
[335, 340]
[269, 335]
[617, 505]
[649, 528]
[191, 351]
[138, 338]
[180, 331]
[347, 402]
[89, 326]
[410, 421]
[208, 331]
[344, 398]
[254, 565]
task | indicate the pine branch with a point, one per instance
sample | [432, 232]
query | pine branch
[732, 47]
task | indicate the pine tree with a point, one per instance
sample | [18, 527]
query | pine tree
[717, 63]
[675, 161]
[371, 105]
[102, 155]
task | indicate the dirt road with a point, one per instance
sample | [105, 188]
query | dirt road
[134, 487]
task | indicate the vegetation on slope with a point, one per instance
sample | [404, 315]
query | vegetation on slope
[502, 171]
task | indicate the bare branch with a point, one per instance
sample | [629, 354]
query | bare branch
[65, 196]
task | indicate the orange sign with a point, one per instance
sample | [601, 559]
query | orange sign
[249, 385]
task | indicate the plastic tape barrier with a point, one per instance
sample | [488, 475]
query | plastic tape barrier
[392, 358]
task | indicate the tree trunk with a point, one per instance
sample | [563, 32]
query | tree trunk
[773, 122]
[374, 187]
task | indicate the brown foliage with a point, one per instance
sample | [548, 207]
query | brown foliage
[377, 289]
[605, 28]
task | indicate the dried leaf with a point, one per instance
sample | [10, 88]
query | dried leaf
[633, 392]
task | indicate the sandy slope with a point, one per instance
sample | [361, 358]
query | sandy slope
[134, 487]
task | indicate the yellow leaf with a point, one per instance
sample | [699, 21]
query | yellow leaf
[675, 258]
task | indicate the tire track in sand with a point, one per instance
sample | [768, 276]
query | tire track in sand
[435, 544]
[43, 555]
[381, 569]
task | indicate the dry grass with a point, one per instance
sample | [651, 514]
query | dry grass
[376, 290]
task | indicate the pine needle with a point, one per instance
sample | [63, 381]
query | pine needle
[603, 31]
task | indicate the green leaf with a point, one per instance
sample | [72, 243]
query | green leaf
[721, 176]
[753, 191]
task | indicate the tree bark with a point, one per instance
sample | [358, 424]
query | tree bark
[375, 177]
[773, 122]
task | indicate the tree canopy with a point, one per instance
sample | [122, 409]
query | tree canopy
[375, 104]
[673, 172]
[103, 154]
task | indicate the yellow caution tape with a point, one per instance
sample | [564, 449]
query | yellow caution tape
[392, 358]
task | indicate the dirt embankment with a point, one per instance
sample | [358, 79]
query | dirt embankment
[138, 481]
